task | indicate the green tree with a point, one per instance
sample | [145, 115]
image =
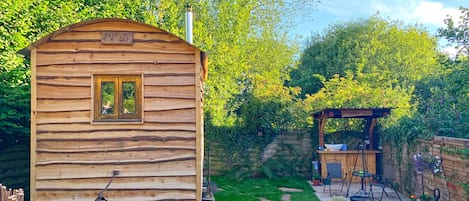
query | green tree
[375, 51]
[248, 48]
[366, 63]
[22, 22]
[247, 45]
[444, 100]
[347, 92]
[458, 33]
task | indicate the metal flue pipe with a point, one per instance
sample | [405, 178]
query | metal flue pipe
[189, 23]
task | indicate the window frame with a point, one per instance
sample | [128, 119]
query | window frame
[118, 114]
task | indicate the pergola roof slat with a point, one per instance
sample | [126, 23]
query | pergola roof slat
[353, 113]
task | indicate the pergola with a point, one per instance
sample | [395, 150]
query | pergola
[370, 114]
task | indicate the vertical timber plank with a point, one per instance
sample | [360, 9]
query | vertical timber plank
[199, 128]
[32, 180]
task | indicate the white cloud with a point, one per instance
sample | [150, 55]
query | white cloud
[408, 11]
[381, 7]
[428, 13]
[432, 13]
[451, 51]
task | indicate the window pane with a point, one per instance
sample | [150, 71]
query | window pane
[107, 97]
[128, 96]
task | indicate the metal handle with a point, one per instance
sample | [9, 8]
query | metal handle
[100, 194]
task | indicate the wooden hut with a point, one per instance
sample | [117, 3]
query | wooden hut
[115, 95]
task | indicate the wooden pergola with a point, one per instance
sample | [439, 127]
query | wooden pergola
[370, 114]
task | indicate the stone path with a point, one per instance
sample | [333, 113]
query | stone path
[286, 196]
[355, 187]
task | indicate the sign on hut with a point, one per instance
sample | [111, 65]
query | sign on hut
[114, 97]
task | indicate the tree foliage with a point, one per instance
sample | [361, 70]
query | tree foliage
[444, 100]
[347, 92]
[22, 22]
[247, 44]
[375, 51]
[367, 63]
[458, 32]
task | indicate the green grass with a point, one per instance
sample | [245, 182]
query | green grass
[253, 189]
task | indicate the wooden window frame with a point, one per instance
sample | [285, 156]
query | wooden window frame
[118, 114]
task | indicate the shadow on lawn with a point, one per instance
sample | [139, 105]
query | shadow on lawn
[253, 189]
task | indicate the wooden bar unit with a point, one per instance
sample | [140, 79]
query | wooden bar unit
[348, 159]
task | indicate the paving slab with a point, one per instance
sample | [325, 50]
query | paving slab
[290, 190]
[353, 190]
[286, 197]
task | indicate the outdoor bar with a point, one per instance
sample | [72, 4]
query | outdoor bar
[354, 158]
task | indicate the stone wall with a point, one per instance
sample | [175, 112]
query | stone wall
[292, 146]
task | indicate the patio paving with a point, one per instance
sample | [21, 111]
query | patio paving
[354, 188]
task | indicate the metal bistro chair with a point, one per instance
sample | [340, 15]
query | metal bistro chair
[334, 172]
[385, 180]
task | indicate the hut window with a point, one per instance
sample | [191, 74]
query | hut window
[117, 98]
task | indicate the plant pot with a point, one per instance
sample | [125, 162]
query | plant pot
[316, 182]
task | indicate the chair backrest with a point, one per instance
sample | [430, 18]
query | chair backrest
[334, 170]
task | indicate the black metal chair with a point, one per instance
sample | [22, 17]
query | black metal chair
[385, 180]
[334, 172]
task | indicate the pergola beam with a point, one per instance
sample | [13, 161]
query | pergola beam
[370, 114]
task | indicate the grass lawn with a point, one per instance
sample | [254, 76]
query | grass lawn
[253, 189]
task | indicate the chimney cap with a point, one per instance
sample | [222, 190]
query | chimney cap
[188, 7]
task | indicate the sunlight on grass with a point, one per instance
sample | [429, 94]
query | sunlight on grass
[253, 189]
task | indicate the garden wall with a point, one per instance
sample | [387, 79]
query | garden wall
[292, 150]
[453, 181]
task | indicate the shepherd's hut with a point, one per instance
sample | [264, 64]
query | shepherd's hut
[120, 102]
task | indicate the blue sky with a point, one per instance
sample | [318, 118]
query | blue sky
[428, 13]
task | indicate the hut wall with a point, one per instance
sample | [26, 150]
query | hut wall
[158, 158]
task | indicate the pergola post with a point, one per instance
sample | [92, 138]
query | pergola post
[371, 130]
[321, 125]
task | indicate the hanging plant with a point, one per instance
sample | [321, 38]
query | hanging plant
[427, 162]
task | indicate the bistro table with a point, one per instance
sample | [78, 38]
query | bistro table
[363, 175]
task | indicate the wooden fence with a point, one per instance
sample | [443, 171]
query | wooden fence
[11, 194]
[453, 181]
[14, 167]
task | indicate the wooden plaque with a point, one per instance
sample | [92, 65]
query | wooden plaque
[112, 37]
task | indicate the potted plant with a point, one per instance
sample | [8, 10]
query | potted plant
[425, 197]
[316, 178]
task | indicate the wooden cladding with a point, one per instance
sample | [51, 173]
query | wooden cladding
[77, 143]
[119, 195]
[139, 46]
[86, 70]
[109, 58]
